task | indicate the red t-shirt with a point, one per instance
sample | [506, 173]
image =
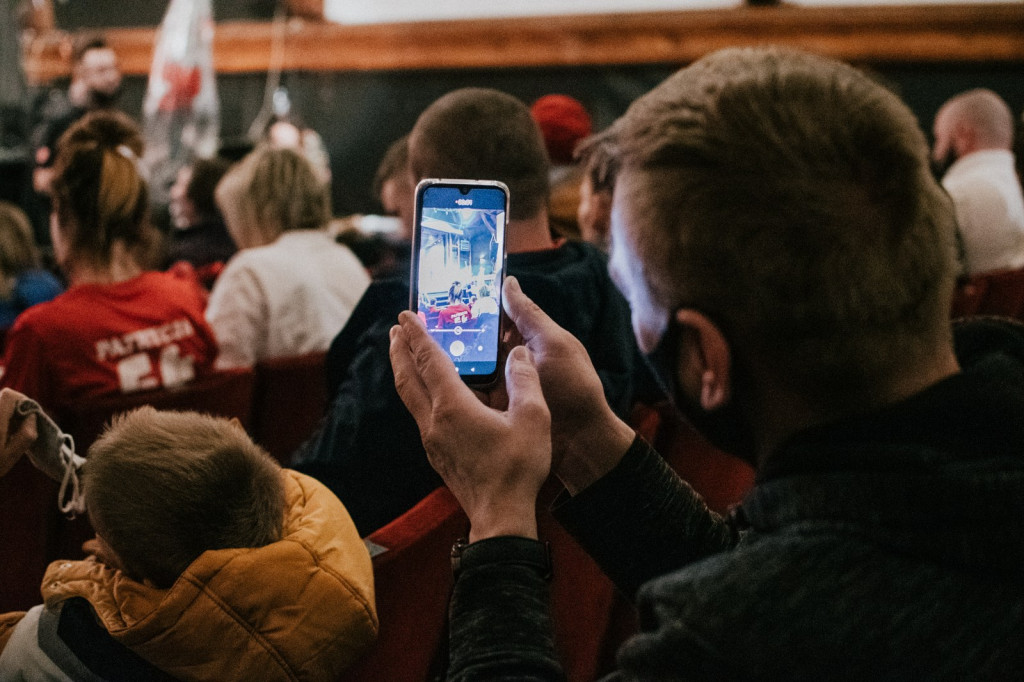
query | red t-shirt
[98, 340]
[455, 314]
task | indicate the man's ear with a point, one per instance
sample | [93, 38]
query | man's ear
[603, 225]
[705, 360]
[964, 139]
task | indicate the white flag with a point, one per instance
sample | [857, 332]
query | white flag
[181, 111]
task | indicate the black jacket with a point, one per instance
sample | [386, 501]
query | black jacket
[368, 449]
[889, 546]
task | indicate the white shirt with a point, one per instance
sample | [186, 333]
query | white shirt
[486, 304]
[285, 299]
[989, 209]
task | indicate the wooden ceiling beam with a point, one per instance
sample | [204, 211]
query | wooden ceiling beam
[940, 33]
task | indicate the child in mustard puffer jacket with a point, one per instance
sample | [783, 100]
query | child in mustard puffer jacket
[210, 561]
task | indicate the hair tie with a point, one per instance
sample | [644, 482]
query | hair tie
[126, 151]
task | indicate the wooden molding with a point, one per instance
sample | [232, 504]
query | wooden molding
[940, 33]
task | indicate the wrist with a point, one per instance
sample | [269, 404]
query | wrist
[501, 550]
[594, 453]
[518, 518]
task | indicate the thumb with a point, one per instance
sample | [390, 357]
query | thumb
[525, 399]
[527, 316]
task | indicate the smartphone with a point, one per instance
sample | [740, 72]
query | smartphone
[458, 265]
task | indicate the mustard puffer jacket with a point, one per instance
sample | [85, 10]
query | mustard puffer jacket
[301, 608]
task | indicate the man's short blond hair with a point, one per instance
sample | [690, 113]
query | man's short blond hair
[162, 487]
[790, 199]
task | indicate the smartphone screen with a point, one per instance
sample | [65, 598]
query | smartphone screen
[457, 269]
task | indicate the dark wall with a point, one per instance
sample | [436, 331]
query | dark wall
[72, 15]
[359, 114]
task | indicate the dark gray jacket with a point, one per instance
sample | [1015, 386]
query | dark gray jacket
[886, 547]
[368, 449]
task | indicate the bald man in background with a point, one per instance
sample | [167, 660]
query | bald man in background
[973, 142]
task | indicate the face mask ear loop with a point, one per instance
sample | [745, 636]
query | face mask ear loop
[70, 499]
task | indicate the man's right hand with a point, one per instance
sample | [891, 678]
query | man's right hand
[587, 438]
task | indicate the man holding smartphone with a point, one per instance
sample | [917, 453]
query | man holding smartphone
[368, 450]
[792, 290]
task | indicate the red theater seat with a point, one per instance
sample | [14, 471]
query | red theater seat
[413, 584]
[28, 504]
[34, 532]
[289, 401]
[223, 394]
[721, 479]
[991, 293]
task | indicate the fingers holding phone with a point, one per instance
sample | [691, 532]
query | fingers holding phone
[587, 437]
[458, 263]
[493, 461]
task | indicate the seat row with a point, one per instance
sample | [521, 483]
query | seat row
[991, 293]
[279, 402]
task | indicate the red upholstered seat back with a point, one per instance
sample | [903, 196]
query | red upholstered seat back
[28, 506]
[991, 293]
[412, 582]
[721, 479]
[289, 401]
[223, 394]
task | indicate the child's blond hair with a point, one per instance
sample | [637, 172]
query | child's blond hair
[161, 488]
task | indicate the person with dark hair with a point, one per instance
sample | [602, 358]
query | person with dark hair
[198, 235]
[368, 450]
[791, 287]
[392, 186]
[119, 328]
[210, 562]
[388, 254]
[22, 282]
[95, 84]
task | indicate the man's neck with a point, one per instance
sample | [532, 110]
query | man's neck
[784, 413]
[529, 234]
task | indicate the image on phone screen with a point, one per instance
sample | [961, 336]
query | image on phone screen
[458, 267]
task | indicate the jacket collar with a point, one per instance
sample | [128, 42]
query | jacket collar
[977, 413]
[940, 474]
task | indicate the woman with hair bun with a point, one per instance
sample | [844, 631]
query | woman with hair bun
[119, 328]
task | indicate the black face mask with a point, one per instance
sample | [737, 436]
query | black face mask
[725, 428]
